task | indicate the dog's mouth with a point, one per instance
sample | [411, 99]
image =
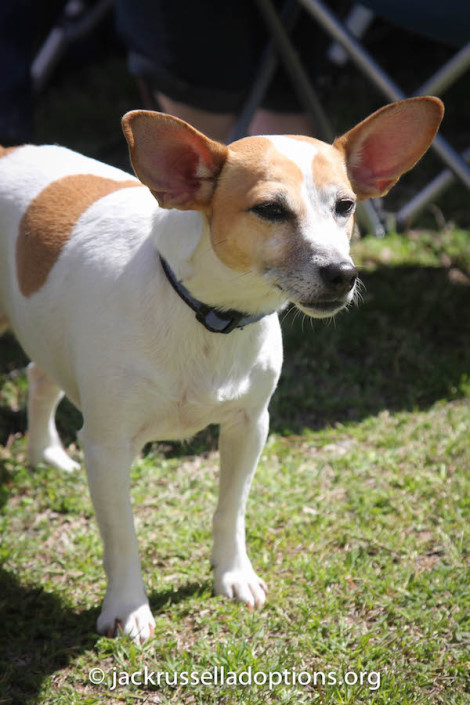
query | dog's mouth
[322, 309]
[321, 301]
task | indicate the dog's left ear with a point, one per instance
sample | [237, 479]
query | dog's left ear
[388, 143]
[178, 163]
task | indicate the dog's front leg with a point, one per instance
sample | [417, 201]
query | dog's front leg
[125, 607]
[240, 445]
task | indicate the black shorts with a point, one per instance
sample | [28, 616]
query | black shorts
[205, 53]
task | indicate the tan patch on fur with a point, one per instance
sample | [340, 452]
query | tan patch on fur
[255, 172]
[49, 220]
[5, 151]
[329, 163]
[329, 170]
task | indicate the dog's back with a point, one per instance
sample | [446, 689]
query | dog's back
[44, 192]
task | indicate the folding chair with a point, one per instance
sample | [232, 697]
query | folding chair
[78, 19]
[281, 48]
[435, 85]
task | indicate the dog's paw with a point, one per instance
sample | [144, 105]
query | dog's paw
[55, 456]
[138, 623]
[242, 585]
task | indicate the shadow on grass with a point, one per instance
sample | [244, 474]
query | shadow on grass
[40, 635]
[405, 347]
[159, 601]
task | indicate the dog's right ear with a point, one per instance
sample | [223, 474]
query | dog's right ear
[178, 163]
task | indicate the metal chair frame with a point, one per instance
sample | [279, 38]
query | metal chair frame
[281, 49]
[80, 18]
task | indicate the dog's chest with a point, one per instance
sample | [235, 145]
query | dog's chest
[200, 404]
[195, 390]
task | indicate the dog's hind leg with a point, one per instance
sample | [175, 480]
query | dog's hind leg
[43, 440]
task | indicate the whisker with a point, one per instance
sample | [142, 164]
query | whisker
[284, 314]
[298, 313]
[359, 293]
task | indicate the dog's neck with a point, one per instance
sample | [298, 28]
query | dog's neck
[183, 240]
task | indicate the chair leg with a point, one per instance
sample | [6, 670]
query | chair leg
[429, 193]
[365, 62]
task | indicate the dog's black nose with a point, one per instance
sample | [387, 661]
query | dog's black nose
[339, 277]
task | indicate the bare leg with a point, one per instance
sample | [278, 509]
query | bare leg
[214, 125]
[267, 122]
[218, 125]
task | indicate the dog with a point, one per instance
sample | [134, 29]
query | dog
[159, 317]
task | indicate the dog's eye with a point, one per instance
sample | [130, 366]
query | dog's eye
[344, 207]
[272, 210]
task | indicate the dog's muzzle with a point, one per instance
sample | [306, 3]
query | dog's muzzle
[339, 278]
[338, 282]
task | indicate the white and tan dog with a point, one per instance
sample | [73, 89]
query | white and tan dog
[157, 320]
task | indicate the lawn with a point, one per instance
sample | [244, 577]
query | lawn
[357, 520]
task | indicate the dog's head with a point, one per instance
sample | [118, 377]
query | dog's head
[283, 206]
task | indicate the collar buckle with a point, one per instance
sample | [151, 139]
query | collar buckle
[218, 322]
[214, 320]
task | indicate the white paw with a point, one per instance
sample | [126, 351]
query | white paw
[241, 584]
[137, 623]
[55, 456]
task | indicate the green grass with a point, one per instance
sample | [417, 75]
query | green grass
[358, 517]
[358, 521]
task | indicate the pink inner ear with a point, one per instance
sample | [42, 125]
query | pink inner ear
[175, 171]
[174, 160]
[170, 168]
[388, 143]
[379, 162]
[387, 154]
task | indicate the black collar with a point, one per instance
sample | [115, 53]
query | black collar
[212, 319]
